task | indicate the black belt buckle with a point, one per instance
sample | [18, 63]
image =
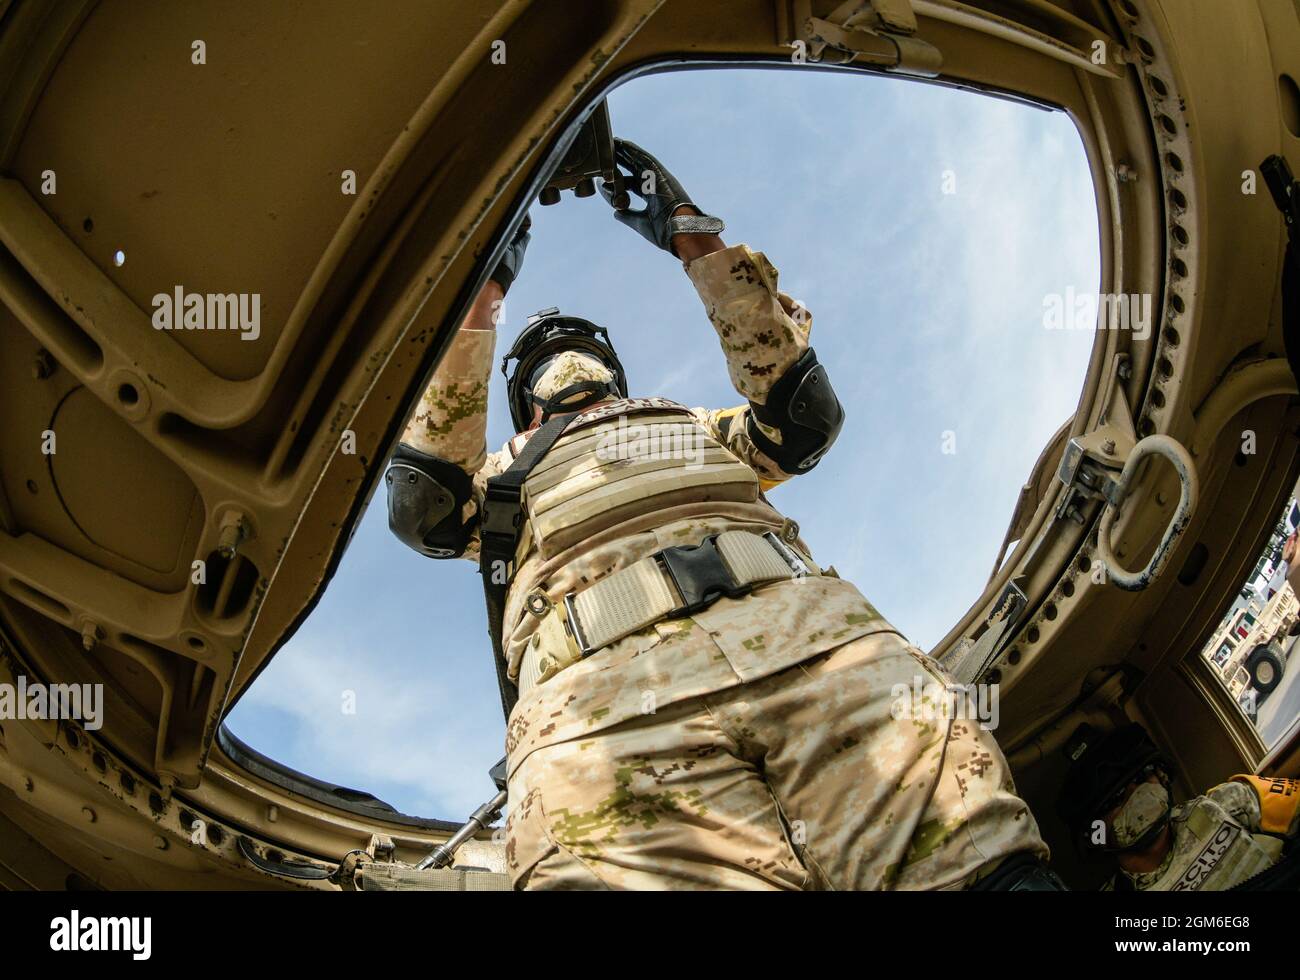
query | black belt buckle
[502, 513]
[700, 574]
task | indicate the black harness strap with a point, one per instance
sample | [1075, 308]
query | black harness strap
[594, 391]
[500, 525]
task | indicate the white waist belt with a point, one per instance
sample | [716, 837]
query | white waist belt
[671, 582]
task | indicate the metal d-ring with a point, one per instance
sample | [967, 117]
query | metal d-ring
[1172, 450]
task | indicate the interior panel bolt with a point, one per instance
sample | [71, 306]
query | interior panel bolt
[234, 532]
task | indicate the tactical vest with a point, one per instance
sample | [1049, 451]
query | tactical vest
[609, 467]
[633, 462]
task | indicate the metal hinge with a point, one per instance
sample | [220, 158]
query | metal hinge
[877, 32]
[1091, 463]
[1090, 467]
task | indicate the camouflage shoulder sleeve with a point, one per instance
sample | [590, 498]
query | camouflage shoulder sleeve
[729, 426]
[763, 331]
[1240, 801]
[451, 420]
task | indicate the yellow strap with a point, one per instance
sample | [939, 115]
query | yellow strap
[1279, 802]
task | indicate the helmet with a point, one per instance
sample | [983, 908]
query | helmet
[1102, 767]
[548, 335]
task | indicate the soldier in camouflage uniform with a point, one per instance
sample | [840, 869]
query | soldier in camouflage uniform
[752, 743]
[1116, 798]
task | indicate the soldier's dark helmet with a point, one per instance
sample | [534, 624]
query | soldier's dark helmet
[1102, 767]
[549, 334]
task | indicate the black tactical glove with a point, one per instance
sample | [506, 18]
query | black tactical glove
[508, 268]
[663, 195]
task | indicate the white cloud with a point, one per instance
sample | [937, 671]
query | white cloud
[406, 733]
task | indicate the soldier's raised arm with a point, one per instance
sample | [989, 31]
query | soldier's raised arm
[436, 474]
[792, 415]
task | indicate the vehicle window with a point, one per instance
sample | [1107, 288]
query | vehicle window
[1251, 652]
[926, 228]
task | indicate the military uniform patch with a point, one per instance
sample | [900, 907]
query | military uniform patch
[1208, 859]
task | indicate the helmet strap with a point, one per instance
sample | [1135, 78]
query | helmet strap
[596, 390]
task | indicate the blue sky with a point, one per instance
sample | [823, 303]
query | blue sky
[927, 310]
